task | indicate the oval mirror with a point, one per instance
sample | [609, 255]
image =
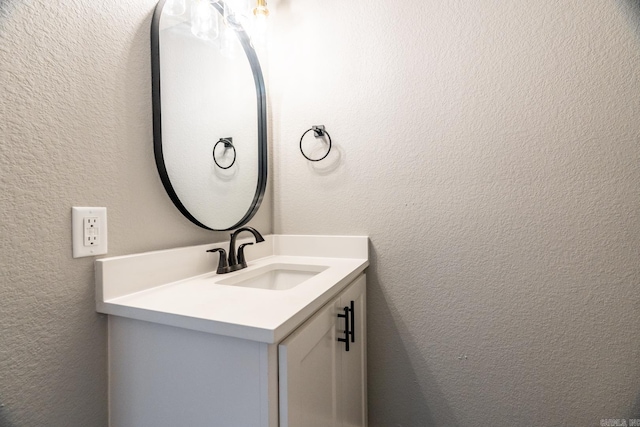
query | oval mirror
[209, 113]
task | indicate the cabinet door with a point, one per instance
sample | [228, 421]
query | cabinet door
[308, 372]
[352, 395]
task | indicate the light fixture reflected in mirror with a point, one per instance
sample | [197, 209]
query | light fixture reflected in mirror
[176, 7]
[237, 15]
[204, 20]
[229, 46]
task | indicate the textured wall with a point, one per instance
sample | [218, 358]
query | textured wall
[491, 151]
[75, 130]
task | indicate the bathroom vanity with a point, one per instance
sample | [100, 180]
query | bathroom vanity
[280, 343]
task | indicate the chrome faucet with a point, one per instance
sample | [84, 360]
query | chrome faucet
[236, 261]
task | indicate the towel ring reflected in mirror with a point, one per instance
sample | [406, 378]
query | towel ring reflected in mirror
[228, 143]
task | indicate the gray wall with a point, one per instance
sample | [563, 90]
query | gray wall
[75, 130]
[492, 152]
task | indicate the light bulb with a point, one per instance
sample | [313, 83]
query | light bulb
[259, 33]
[175, 7]
[259, 30]
[204, 22]
[229, 43]
[261, 11]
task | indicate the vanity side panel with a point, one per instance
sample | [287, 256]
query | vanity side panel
[161, 376]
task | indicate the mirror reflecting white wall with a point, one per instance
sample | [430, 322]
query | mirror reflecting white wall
[209, 89]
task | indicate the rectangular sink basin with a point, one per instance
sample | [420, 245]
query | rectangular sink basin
[275, 277]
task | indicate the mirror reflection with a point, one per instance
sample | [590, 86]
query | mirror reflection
[209, 112]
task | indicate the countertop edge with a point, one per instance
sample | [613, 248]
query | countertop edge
[248, 332]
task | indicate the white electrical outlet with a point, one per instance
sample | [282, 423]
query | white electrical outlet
[91, 227]
[89, 231]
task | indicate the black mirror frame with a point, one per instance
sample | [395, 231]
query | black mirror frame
[157, 120]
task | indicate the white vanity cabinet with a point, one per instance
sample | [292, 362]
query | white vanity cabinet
[322, 366]
[167, 376]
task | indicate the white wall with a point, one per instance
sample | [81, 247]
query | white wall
[75, 130]
[491, 151]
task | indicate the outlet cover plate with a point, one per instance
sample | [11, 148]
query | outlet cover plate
[89, 231]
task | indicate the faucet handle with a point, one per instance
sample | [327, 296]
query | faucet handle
[223, 266]
[241, 259]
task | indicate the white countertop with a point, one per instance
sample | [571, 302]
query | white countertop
[179, 287]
